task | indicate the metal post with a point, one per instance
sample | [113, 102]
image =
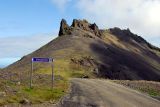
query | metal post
[52, 74]
[31, 74]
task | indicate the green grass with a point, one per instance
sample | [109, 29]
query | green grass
[150, 91]
[37, 94]
[153, 93]
[67, 70]
[148, 87]
[41, 91]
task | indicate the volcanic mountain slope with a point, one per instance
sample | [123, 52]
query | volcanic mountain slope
[111, 53]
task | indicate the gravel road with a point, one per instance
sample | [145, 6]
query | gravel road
[103, 93]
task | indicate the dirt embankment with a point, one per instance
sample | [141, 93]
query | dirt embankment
[151, 88]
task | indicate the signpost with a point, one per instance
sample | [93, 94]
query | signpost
[42, 60]
[38, 59]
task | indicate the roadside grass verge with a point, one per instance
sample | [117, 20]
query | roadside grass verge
[38, 94]
[149, 87]
[42, 91]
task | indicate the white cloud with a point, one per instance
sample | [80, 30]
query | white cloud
[61, 4]
[141, 16]
[21, 45]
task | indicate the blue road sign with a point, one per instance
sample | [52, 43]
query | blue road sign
[42, 60]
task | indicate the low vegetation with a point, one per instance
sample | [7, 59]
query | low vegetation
[16, 92]
[149, 87]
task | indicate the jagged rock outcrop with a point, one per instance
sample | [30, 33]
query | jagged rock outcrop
[64, 28]
[84, 61]
[81, 24]
[96, 30]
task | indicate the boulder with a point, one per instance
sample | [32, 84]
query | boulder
[2, 94]
[25, 101]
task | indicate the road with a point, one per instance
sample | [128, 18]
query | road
[103, 93]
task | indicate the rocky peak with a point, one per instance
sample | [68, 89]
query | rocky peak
[64, 28]
[95, 29]
[81, 24]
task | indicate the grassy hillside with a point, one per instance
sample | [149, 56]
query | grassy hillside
[111, 56]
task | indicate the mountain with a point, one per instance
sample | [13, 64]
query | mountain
[106, 53]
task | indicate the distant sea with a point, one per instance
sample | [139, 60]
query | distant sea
[4, 62]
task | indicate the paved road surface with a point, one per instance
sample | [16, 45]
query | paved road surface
[103, 93]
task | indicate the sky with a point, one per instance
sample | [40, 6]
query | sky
[26, 25]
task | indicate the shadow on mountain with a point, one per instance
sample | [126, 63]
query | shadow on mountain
[117, 63]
